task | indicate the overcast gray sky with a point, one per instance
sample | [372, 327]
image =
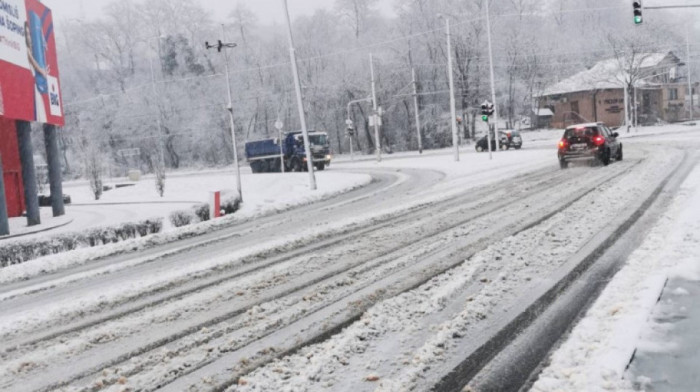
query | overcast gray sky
[268, 11]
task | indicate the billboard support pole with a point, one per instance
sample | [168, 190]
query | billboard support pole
[4, 220]
[54, 162]
[26, 157]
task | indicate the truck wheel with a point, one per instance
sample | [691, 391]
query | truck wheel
[296, 165]
[255, 167]
[264, 167]
[321, 166]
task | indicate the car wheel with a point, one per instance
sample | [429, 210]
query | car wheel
[321, 166]
[563, 164]
[605, 157]
[619, 153]
[518, 147]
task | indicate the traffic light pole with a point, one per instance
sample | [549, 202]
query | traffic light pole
[493, 84]
[659, 7]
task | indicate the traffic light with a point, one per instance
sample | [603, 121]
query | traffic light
[486, 111]
[637, 5]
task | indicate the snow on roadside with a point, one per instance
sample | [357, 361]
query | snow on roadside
[599, 348]
[273, 193]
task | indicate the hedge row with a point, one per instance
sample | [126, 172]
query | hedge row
[200, 213]
[22, 251]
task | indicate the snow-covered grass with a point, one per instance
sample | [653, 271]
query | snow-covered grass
[595, 355]
[264, 194]
[261, 193]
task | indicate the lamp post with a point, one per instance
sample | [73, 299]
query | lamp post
[219, 47]
[160, 126]
[279, 125]
[300, 102]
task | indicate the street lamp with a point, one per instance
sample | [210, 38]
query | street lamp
[279, 125]
[219, 47]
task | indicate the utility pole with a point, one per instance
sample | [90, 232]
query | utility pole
[627, 107]
[300, 102]
[453, 110]
[160, 127]
[690, 83]
[415, 104]
[376, 116]
[279, 125]
[493, 84]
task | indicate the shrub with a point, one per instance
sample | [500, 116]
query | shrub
[231, 205]
[181, 218]
[202, 212]
[23, 251]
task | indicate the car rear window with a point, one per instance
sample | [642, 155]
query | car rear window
[581, 132]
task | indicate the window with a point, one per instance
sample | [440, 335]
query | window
[673, 94]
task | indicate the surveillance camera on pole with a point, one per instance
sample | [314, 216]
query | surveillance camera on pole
[229, 107]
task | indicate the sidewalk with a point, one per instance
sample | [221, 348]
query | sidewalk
[19, 228]
[668, 357]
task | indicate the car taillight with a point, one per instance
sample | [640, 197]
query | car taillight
[563, 143]
[598, 140]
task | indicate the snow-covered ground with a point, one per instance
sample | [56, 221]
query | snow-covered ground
[423, 267]
[600, 347]
[139, 200]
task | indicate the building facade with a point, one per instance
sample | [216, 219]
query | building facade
[659, 93]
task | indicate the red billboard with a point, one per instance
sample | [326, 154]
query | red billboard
[29, 87]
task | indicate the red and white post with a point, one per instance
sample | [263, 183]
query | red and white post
[215, 204]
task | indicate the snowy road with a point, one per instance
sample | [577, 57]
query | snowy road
[389, 287]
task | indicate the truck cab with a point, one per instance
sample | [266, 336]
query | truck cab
[268, 155]
[319, 147]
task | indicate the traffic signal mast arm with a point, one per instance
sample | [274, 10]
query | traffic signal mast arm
[638, 7]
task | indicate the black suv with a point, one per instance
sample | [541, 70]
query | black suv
[589, 142]
[506, 140]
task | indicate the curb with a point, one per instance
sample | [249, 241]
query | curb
[37, 231]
